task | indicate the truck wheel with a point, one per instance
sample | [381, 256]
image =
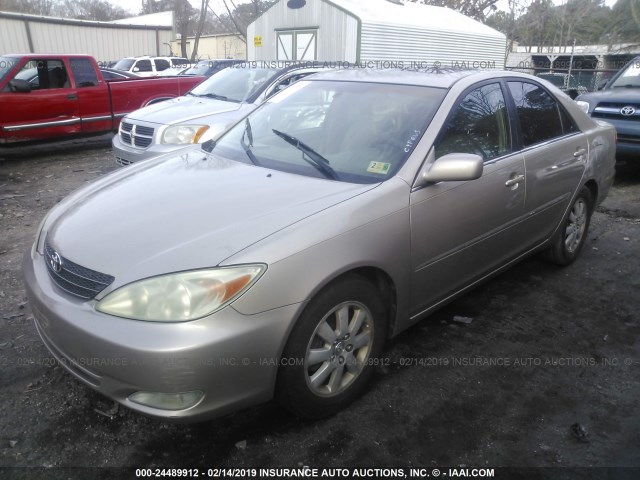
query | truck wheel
[328, 358]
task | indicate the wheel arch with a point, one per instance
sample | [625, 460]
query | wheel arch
[592, 185]
[380, 279]
[153, 101]
[384, 284]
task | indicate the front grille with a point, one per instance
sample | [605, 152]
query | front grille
[136, 135]
[73, 278]
[610, 110]
[123, 162]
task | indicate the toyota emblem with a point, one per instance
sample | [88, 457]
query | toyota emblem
[628, 111]
[55, 262]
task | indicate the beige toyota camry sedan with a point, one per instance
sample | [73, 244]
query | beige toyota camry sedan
[276, 262]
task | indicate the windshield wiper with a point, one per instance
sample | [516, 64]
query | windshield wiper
[628, 85]
[212, 95]
[216, 96]
[312, 157]
[247, 147]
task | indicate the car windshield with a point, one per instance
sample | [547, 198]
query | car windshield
[124, 64]
[630, 77]
[199, 68]
[235, 84]
[346, 131]
[6, 64]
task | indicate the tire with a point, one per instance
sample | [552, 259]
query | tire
[573, 232]
[329, 356]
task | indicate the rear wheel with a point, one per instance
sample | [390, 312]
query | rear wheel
[327, 360]
[570, 239]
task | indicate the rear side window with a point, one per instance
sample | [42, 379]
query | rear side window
[479, 125]
[144, 66]
[83, 72]
[538, 112]
[162, 64]
[179, 62]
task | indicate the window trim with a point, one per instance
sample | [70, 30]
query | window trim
[457, 103]
[516, 119]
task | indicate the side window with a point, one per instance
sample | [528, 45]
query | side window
[161, 64]
[479, 125]
[568, 126]
[287, 81]
[83, 72]
[538, 113]
[177, 63]
[44, 74]
[143, 66]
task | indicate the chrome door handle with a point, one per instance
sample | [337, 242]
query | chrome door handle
[514, 181]
[580, 152]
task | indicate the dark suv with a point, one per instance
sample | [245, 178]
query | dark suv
[618, 103]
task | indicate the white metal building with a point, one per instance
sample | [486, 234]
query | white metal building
[21, 33]
[373, 31]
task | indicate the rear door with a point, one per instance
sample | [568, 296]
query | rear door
[94, 104]
[462, 230]
[49, 110]
[555, 153]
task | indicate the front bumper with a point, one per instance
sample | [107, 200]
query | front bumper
[126, 155]
[230, 357]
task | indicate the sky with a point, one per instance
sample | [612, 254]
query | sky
[134, 6]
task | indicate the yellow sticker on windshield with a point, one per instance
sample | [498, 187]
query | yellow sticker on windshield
[379, 167]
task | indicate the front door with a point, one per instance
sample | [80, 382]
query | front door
[48, 110]
[462, 230]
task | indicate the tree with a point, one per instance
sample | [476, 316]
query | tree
[624, 23]
[477, 9]
[99, 10]
[203, 17]
[238, 17]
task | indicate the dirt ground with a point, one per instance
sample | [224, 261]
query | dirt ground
[547, 373]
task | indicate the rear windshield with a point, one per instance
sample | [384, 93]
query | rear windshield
[124, 64]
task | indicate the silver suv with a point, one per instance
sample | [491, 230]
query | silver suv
[152, 66]
[203, 114]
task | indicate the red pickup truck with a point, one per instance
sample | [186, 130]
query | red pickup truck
[48, 97]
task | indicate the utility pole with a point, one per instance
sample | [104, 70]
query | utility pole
[566, 80]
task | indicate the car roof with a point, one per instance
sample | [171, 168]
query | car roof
[438, 78]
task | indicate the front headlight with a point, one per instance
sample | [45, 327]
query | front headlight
[183, 134]
[584, 106]
[180, 297]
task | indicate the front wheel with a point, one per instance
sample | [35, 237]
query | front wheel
[328, 358]
[573, 233]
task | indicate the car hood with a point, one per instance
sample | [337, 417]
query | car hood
[183, 109]
[181, 213]
[617, 95]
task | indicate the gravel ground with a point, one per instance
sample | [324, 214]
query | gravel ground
[546, 374]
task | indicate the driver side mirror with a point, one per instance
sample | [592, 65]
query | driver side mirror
[601, 85]
[136, 69]
[453, 167]
[19, 86]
